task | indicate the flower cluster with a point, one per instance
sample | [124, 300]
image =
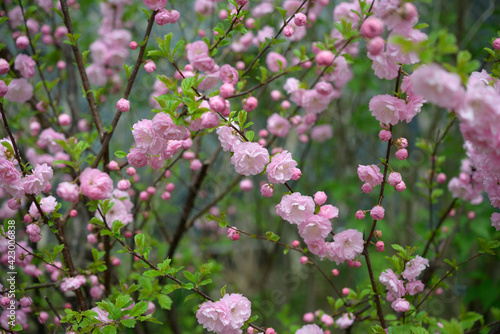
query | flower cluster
[225, 316]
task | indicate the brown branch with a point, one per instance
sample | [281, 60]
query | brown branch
[83, 74]
[436, 229]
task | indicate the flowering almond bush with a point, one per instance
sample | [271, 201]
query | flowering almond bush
[155, 156]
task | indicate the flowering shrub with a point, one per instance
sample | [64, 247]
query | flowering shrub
[152, 153]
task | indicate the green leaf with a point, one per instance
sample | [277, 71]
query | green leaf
[120, 154]
[206, 281]
[109, 330]
[191, 296]
[122, 300]
[271, 236]
[169, 288]
[139, 240]
[152, 273]
[249, 135]
[164, 301]
[190, 276]
[223, 291]
[129, 323]
[468, 320]
[398, 248]
[139, 308]
[377, 330]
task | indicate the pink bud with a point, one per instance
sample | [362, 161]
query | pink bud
[441, 178]
[401, 186]
[64, 119]
[288, 31]
[394, 178]
[263, 133]
[166, 196]
[128, 234]
[372, 27]
[123, 185]
[226, 90]
[267, 190]
[150, 66]
[367, 188]
[471, 215]
[91, 239]
[308, 317]
[385, 135]
[360, 215]
[246, 185]
[123, 105]
[133, 45]
[275, 95]
[377, 212]
[113, 165]
[217, 103]
[297, 173]
[170, 187]
[375, 46]
[345, 291]
[300, 20]
[73, 213]
[320, 198]
[324, 58]
[496, 44]
[335, 272]
[402, 154]
[270, 331]
[250, 104]
[380, 246]
[295, 243]
[303, 260]
[61, 65]
[22, 42]
[143, 196]
[195, 164]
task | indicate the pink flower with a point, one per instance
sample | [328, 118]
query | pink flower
[281, 167]
[209, 120]
[196, 50]
[20, 90]
[47, 204]
[370, 174]
[240, 308]
[375, 46]
[386, 108]
[495, 220]
[95, 184]
[315, 228]
[275, 62]
[346, 246]
[47, 140]
[414, 267]
[36, 183]
[384, 66]
[267, 190]
[320, 197]
[4, 66]
[165, 128]
[345, 320]
[25, 65]
[8, 173]
[72, 283]
[147, 139]
[400, 305]
[295, 208]
[3, 88]
[155, 4]
[228, 74]
[394, 285]
[214, 316]
[121, 209]
[278, 125]
[249, 158]
[310, 329]
[328, 211]
[228, 138]
[322, 133]
[438, 86]
[412, 288]
[137, 158]
[102, 315]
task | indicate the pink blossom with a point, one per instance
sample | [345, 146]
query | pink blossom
[495, 220]
[386, 108]
[155, 4]
[384, 66]
[123, 105]
[25, 65]
[370, 174]
[315, 228]
[240, 308]
[47, 139]
[375, 46]
[394, 178]
[214, 316]
[400, 305]
[401, 154]
[275, 62]
[209, 120]
[95, 184]
[412, 288]
[102, 315]
[121, 209]
[345, 321]
[328, 211]
[281, 167]
[3, 88]
[137, 158]
[36, 183]
[346, 246]
[47, 204]
[250, 103]
[314, 102]
[267, 190]
[228, 74]
[295, 208]
[20, 90]
[228, 138]
[321, 133]
[8, 173]
[414, 267]
[438, 86]
[72, 283]
[320, 197]
[278, 125]
[309, 329]
[146, 138]
[249, 158]
[372, 27]
[4, 66]
[394, 285]
[165, 128]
